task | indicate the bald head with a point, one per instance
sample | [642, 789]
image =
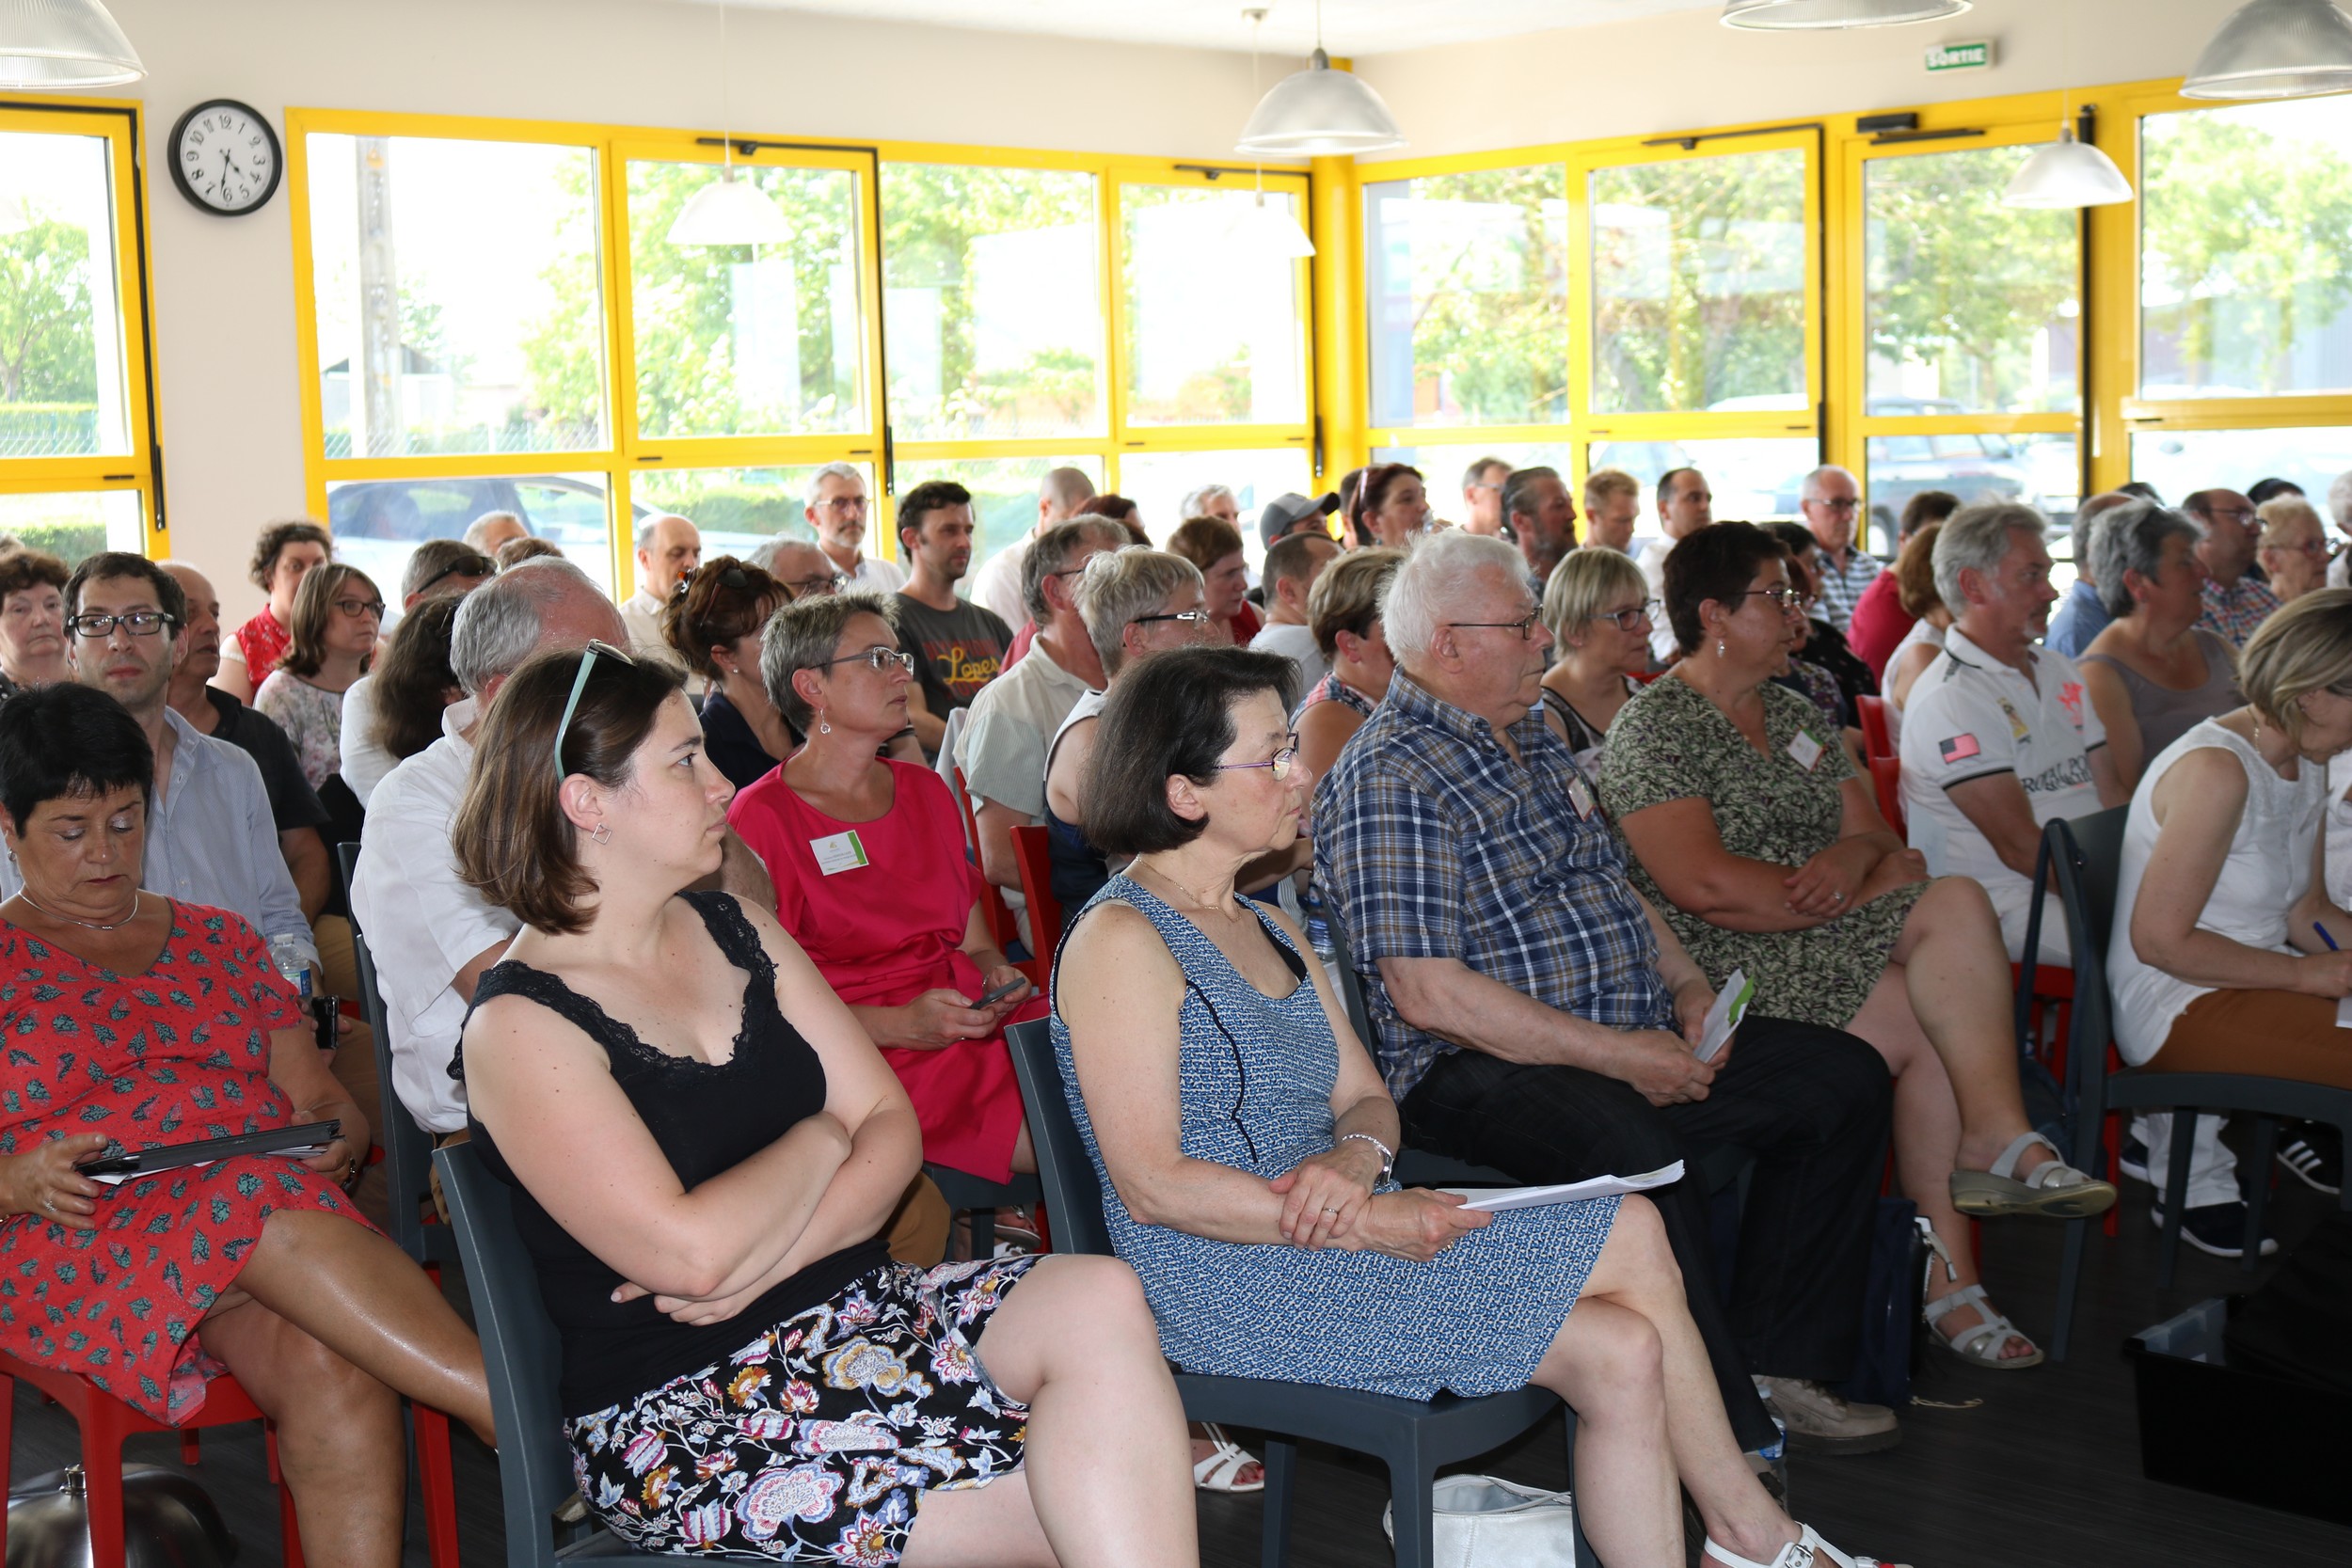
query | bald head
[669, 548]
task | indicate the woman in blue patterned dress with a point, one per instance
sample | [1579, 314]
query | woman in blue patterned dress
[1243, 1138]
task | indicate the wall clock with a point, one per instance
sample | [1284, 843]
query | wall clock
[224, 157]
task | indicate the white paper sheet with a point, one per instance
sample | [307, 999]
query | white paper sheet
[1499, 1199]
[1731, 1006]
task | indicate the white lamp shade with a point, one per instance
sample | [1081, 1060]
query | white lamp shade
[1320, 112]
[2067, 173]
[63, 43]
[730, 212]
[1807, 15]
[2276, 48]
[1267, 230]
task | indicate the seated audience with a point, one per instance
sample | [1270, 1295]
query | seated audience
[1931, 622]
[437, 569]
[2217, 961]
[1613, 505]
[1764, 849]
[330, 643]
[2155, 670]
[714, 625]
[1997, 738]
[748, 1154]
[1269, 1179]
[2293, 552]
[1344, 612]
[1831, 500]
[1819, 645]
[1215, 547]
[515, 551]
[1535, 1015]
[1390, 508]
[2081, 617]
[167, 1022]
[958, 645]
[1543, 521]
[1002, 750]
[836, 507]
[1210, 500]
[1292, 565]
[280, 557]
[668, 548]
[1879, 618]
[1134, 603]
[487, 534]
[1597, 610]
[2263, 490]
[1292, 512]
[1481, 497]
[1061, 494]
[801, 568]
[32, 621]
[2235, 602]
[415, 683]
[211, 837]
[1119, 510]
[867, 858]
[1685, 505]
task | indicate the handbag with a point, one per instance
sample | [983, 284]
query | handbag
[1487, 1522]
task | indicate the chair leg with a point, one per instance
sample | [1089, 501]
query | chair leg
[1282, 1476]
[191, 1448]
[983, 1227]
[2176, 1190]
[2258, 1189]
[2070, 1287]
[437, 1479]
[1410, 1477]
[102, 1475]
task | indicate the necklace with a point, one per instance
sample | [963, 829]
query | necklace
[1206, 905]
[86, 924]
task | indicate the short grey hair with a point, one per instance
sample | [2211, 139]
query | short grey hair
[2340, 501]
[642, 537]
[478, 530]
[1119, 586]
[803, 635]
[1811, 491]
[1519, 485]
[1197, 503]
[830, 470]
[1976, 539]
[2131, 539]
[1476, 474]
[498, 624]
[1052, 550]
[1434, 576]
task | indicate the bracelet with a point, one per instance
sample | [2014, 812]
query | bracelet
[1388, 1155]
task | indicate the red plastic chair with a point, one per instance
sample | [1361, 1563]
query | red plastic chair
[1001, 922]
[1876, 735]
[1031, 851]
[1886, 773]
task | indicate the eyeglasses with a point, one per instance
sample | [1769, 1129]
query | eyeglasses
[1628, 619]
[1279, 764]
[138, 623]
[579, 683]
[843, 503]
[882, 660]
[1838, 503]
[1784, 598]
[832, 582]
[1189, 617]
[357, 608]
[1524, 625]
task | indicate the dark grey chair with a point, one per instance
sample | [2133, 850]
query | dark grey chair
[521, 1354]
[1412, 1438]
[2088, 856]
[980, 1199]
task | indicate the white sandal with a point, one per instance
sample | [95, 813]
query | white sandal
[1807, 1551]
[1980, 1344]
[2055, 1190]
[1221, 1470]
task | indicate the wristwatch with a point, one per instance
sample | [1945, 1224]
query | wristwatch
[1388, 1156]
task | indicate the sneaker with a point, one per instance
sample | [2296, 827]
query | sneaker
[2133, 1161]
[2312, 1159]
[1822, 1422]
[2218, 1228]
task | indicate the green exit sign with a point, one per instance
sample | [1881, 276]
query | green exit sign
[1960, 56]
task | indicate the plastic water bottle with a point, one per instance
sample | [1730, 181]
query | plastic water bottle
[1318, 923]
[294, 965]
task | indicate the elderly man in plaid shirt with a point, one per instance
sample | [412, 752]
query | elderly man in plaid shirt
[1533, 1013]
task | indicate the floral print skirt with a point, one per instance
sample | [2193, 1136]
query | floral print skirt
[815, 1442]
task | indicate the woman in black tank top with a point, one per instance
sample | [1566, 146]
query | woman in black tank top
[706, 1147]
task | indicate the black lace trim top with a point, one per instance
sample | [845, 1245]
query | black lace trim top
[707, 1118]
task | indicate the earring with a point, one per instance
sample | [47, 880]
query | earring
[823, 726]
[1719, 650]
[603, 833]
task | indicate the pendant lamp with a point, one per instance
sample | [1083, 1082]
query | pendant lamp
[2067, 173]
[2276, 48]
[63, 43]
[727, 211]
[1320, 112]
[1260, 228]
[1806, 15]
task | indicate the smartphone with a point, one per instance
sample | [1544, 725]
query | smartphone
[992, 998]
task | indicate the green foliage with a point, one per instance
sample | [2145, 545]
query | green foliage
[69, 542]
[47, 318]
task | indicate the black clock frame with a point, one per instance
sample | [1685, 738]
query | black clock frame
[179, 178]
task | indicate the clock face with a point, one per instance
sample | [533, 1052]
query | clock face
[224, 157]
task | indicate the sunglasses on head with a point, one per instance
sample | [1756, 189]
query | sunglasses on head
[579, 683]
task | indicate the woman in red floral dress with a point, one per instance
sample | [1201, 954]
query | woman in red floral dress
[130, 1018]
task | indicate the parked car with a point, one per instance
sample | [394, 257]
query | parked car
[378, 523]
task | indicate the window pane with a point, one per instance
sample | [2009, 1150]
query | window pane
[1158, 482]
[2246, 250]
[62, 378]
[1971, 306]
[1469, 297]
[462, 280]
[738, 510]
[75, 523]
[2040, 470]
[1213, 329]
[1004, 494]
[993, 294]
[1698, 284]
[377, 523]
[2180, 462]
[747, 340]
[1752, 481]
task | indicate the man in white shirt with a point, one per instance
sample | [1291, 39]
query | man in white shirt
[1830, 500]
[669, 548]
[439, 569]
[1291, 569]
[837, 507]
[1481, 497]
[996, 586]
[1612, 504]
[1685, 505]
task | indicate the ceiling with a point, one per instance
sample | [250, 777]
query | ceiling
[1350, 27]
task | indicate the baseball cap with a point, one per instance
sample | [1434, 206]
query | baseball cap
[1286, 511]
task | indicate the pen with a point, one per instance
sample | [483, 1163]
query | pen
[2326, 938]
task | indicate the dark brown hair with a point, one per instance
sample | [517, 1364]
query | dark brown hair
[513, 843]
[529, 548]
[21, 568]
[1370, 491]
[724, 600]
[414, 678]
[1915, 572]
[1169, 714]
[273, 542]
[1205, 541]
[314, 611]
[1713, 563]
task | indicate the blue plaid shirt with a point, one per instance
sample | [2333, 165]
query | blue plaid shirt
[1436, 845]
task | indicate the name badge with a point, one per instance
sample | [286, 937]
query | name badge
[838, 852]
[1580, 797]
[1806, 750]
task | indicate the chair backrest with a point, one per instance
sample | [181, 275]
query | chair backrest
[407, 1148]
[1073, 1197]
[1351, 984]
[1886, 777]
[1001, 922]
[951, 727]
[1878, 736]
[520, 1352]
[1032, 850]
[2087, 853]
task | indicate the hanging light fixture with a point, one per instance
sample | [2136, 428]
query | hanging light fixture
[1259, 229]
[2067, 173]
[63, 43]
[1807, 15]
[2276, 48]
[727, 211]
[1319, 111]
